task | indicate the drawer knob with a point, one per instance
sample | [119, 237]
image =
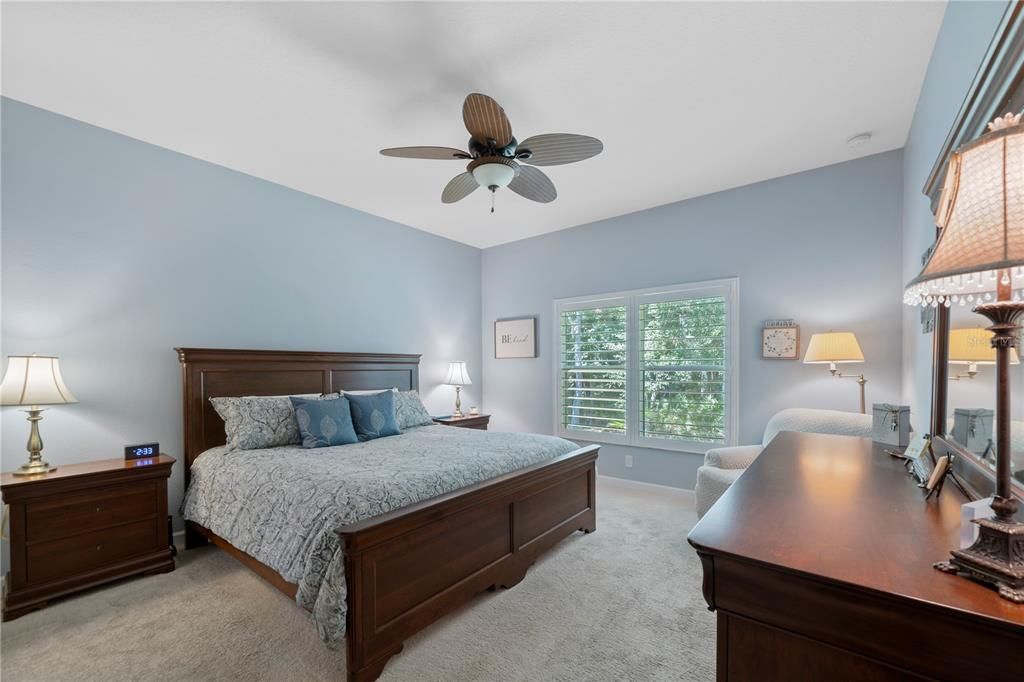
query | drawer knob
[99, 547]
[99, 509]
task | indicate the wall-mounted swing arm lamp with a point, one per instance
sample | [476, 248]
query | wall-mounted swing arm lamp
[832, 348]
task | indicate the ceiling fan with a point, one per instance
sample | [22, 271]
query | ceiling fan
[494, 155]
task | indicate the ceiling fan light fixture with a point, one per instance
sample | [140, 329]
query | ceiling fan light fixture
[494, 174]
[493, 151]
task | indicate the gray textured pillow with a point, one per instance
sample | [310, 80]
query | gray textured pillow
[409, 410]
[256, 422]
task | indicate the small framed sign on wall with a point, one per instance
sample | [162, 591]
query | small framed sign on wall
[515, 338]
[780, 340]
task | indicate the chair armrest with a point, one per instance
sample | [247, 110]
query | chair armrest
[736, 457]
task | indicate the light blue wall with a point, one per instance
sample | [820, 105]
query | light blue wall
[821, 247]
[116, 251]
[966, 32]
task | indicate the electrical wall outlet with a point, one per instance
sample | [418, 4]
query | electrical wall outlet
[629, 461]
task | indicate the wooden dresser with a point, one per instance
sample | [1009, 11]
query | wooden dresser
[82, 525]
[818, 561]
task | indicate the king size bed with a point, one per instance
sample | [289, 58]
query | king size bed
[376, 539]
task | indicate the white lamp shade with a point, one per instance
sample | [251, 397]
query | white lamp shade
[981, 213]
[34, 380]
[457, 375]
[974, 347]
[833, 347]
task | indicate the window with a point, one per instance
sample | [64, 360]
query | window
[655, 367]
[593, 374]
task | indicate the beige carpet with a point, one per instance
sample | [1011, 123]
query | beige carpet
[623, 603]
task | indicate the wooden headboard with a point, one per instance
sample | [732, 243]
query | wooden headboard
[217, 372]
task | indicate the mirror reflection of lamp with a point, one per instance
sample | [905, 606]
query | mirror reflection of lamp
[973, 347]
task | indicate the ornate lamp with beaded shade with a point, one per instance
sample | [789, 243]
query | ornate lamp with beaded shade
[31, 381]
[979, 260]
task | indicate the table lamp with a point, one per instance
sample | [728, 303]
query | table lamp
[458, 376]
[833, 348]
[978, 259]
[34, 380]
[973, 347]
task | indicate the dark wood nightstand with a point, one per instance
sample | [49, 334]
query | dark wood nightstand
[83, 525]
[476, 421]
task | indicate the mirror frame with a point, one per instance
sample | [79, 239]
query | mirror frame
[997, 87]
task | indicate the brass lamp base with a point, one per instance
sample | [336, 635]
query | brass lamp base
[458, 403]
[996, 558]
[35, 464]
[31, 468]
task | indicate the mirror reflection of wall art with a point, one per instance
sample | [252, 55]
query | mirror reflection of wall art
[927, 312]
[516, 338]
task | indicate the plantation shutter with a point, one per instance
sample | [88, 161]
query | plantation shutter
[592, 374]
[683, 369]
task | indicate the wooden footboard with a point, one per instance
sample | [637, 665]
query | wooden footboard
[408, 568]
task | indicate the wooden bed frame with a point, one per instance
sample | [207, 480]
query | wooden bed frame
[407, 568]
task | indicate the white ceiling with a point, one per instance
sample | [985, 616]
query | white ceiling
[689, 98]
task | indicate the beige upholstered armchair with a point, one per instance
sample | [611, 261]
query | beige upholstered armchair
[722, 466]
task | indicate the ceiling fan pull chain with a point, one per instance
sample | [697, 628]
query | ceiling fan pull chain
[492, 199]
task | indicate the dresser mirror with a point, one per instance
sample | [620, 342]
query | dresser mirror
[963, 374]
[971, 392]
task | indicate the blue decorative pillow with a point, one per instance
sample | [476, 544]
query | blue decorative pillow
[324, 422]
[374, 415]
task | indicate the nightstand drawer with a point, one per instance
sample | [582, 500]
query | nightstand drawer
[90, 510]
[66, 557]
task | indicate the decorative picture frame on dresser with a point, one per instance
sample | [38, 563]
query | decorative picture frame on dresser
[920, 459]
[515, 338]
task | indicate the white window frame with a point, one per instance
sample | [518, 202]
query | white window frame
[727, 288]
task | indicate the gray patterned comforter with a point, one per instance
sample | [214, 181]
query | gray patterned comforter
[281, 505]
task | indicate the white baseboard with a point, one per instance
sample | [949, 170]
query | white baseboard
[641, 485]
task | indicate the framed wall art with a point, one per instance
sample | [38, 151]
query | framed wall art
[515, 338]
[780, 340]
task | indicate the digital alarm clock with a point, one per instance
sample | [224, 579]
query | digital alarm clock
[143, 451]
